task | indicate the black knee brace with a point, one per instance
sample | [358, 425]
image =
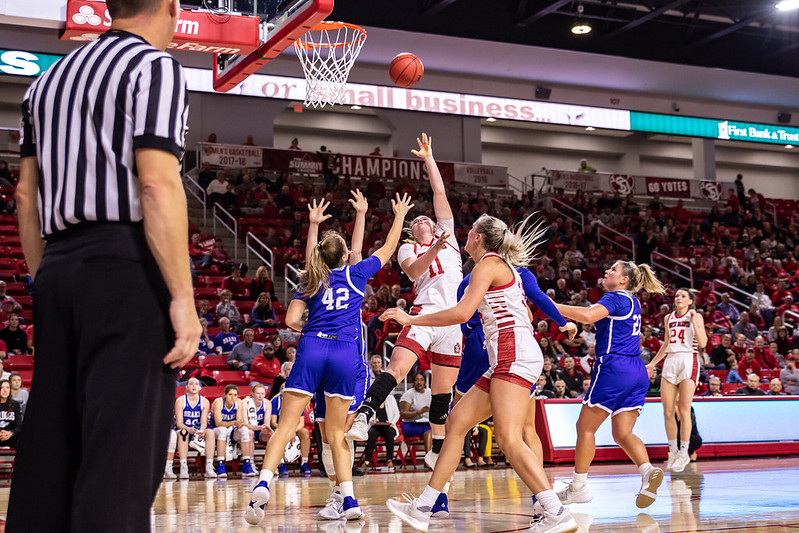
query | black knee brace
[439, 408]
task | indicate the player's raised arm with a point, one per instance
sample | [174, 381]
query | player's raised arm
[316, 215]
[441, 206]
[401, 206]
[359, 203]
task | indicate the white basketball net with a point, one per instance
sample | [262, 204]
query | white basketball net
[327, 53]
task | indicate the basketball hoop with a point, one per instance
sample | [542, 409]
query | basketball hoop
[327, 53]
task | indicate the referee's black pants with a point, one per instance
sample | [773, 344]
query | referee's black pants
[93, 444]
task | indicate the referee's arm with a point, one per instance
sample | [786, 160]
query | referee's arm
[166, 227]
[30, 231]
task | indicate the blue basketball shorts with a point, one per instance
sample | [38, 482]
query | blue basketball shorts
[362, 383]
[619, 383]
[474, 363]
[329, 365]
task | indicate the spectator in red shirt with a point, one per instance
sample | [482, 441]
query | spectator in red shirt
[265, 367]
[679, 213]
[764, 355]
[542, 330]
[649, 341]
[748, 364]
[705, 295]
[781, 292]
[386, 276]
[787, 305]
[235, 283]
[717, 318]
[739, 347]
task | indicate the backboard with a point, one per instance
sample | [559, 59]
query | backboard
[290, 20]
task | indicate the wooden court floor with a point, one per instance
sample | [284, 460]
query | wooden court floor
[740, 495]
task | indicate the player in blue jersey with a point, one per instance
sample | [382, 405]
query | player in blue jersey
[191, 423]
[328, 355]
[619, 382]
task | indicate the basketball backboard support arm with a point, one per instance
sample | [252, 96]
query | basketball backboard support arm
[294, 18]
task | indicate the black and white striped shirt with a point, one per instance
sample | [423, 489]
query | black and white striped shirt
[84, 118]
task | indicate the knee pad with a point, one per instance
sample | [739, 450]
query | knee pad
[173, 441]
[244, 434]
[327, 460]
[221, 433]
[439, 408]
[183, 434]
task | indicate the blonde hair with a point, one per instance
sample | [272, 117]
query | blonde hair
[641, 277]
[516, 246]
[326, 256]
[408, 230]
[261, 269]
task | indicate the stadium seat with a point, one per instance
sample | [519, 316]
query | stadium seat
[730, 388]
[27, 377]
[17, 363]
[213, 362]
[226, 377]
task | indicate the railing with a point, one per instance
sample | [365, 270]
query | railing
[742, 304]
[517, 185]
[676, 268]
[193, 188]
[569, 212]
[289, 285]
[794, 219]
[770, 208]
[269, 263]
[617, 239]
[364, 336]
[791, 314]
[228, 221]
[544, 181]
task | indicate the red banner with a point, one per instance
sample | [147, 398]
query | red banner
[196, 31]
[668, 187]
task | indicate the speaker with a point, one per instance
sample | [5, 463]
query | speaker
[783, 117]
[542, 93]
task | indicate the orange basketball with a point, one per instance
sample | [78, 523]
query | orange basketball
[406, 70]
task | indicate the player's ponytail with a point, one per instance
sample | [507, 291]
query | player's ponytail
[518, 246]
[641, 277]
[325, 256]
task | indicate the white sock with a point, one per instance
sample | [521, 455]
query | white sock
[645, 469]
[184, 463]
[549, 501]
[684, 447]
[346, 489]
[266, 475]
[672, 445]
[168, 464]
[446, 488]
[578, 480]
[304, 459]
[428, 498]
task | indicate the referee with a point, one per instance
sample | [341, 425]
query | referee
[102, 218]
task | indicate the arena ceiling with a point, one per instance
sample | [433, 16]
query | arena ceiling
[743, 35]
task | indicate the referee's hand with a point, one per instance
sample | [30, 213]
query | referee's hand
[187, 333]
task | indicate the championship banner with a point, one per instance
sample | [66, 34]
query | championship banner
[481, 175]
[573, 181]
[668, 187]
[232, 155]
[196, 31]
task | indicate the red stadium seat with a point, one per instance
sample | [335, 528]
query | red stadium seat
[16, 363]
[27, 377]
[212, 393]
[226, 377]
[730, 388]
[213, 362]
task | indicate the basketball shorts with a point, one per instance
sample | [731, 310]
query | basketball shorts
[362, 383]
[514, 356]
[474, 362]
[681, 366]
[415, 429]
[329, 365]
[619, 383]
[443, 343]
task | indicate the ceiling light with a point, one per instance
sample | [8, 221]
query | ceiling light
[491, 119]
[787, 5]
[580, 26]
[590, 128]
[789, 147]
[355, 107]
